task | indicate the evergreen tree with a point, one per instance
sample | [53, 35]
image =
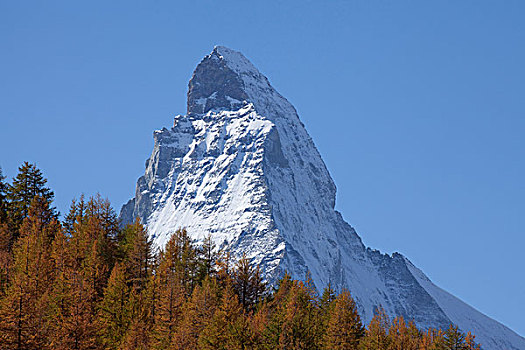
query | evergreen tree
[345, 329]
[5, 237]
[454, 339]
[248, 283]
[28, 183]
[207, 258]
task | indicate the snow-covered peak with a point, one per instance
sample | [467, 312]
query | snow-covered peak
[241, 167]
[226, 80]
[234, 60]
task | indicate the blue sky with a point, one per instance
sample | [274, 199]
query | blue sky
[416, 107]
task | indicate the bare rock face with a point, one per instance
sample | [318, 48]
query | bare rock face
[241, 167]
[214, 86]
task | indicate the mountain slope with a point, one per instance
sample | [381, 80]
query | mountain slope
[241, 167]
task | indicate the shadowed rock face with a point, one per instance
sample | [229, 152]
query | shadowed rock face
[215, 86]
[241, 167]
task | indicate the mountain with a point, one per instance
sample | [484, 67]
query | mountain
[241, 167]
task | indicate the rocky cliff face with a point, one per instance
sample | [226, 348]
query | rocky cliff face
[241, 167]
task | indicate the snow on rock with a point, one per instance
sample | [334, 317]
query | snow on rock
[241, 167]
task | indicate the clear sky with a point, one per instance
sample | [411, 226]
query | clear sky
[417, 107]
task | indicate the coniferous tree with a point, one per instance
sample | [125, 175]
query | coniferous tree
[24, 310]
[138, 255]
[138, 259]
[454, 339]
[274, 313]
[28, 183]
[207, 258]
[345, 329]
[248, 284]
[432, 340]
[75, 314]
[172, 281]
[5, 236]
[86, 254]
[92, 285]
[114, 314]
[403, 336]
[197, 313]
[143, 310]
[295, 324]
[229, 328]
[470, 342]
[377, 332]
[326, 306]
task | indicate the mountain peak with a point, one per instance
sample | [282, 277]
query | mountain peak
[234, 60]
[217, 83]
[242, 169]
[226, 80]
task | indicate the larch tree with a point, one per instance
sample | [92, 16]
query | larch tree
[470, 342]
[86, 253]
[172, 282]
[344, 330]
[197, 313]
[138, 255]
[300, 326]
[24, 310]
[114, 314]
[377, 333]
[143, 311]
[229, 328]
[402, 336]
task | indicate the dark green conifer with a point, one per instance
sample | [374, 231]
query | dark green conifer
[454, 339]
[28, 183]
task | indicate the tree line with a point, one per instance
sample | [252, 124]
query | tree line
[84, 282]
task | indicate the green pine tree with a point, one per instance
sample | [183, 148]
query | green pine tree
[28, 183]
[5, 237]
[454, 339]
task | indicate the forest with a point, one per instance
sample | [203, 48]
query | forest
[82, 281]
